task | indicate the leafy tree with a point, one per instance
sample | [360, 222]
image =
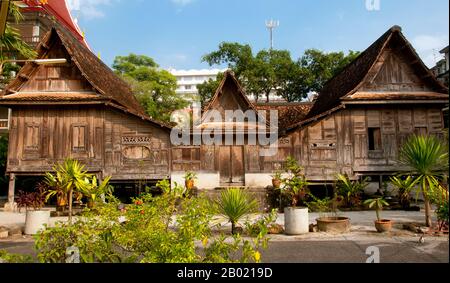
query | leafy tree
[321, 66]
[207, 89]
[427, 156]
[12, 45]
[275, 70]
[238, 57]
[154, 88]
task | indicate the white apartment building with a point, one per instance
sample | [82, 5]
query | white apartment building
[189, 79]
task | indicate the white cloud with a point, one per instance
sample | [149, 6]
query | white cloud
[182, 2]
[428, 47]
[90, 9]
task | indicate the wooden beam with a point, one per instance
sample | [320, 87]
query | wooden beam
[428, 75]
[4, 8]
[25, 77]
[381, 102]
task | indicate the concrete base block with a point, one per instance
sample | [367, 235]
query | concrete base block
[10, 207]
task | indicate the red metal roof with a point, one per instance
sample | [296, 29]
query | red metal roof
[60, 10]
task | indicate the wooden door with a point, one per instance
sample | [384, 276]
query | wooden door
[231, 163]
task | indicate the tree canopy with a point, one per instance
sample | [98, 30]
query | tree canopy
[274, 71]
[154, 88]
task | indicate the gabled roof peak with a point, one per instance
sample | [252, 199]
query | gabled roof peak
[354, 74]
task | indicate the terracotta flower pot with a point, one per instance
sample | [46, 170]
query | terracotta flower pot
[189, 184]
[334, 224]
[90, 204]
[61, 203]
[383, 225]
[276, 183]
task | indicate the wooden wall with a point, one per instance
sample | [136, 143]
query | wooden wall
[108, 141]
[340, 143]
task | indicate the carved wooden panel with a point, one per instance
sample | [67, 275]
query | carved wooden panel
[136, 152]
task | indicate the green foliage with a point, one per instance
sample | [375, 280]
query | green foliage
[295, 185]
[207, 89]
[350, 190]
[176, 191]
[154, 88]
[278, 175]
[442, 211]
[404, 187]
[234, 204]
[427, 156]
[68, 178]
[163, 229]
[93, 190]
[91, 236]
[319, 205]
[378, 204]
[190, 176]
[270, 70]
[6, 257]
[320, 67]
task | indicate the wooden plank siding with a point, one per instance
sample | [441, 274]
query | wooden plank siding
[345, 148]
[107, 141]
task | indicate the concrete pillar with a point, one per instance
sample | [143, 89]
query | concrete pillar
[11, 205]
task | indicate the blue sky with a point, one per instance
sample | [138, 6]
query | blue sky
[176, 33]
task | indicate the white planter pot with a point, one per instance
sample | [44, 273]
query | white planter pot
[296, 221]
[35, 221]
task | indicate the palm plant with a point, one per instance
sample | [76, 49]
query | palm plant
[427, 156]
[234, 204]
[404, 187]
[93, 190]
[68, 177]
[350, 190]
[378, 203]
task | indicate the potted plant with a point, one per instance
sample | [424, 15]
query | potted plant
[404, 188]
[55, 188]
[296, 218]
[33, 202]
[382, 225]
[234, 204]
[333, 223]
[190, 178]
[350, 190]
[93, 191]
[277, 179]
[68, 178]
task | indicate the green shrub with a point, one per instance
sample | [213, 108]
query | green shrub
[350, 190]
[234, 204]
[6, 257]
[162, 229]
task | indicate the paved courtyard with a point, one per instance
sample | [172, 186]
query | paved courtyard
[399, 246]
